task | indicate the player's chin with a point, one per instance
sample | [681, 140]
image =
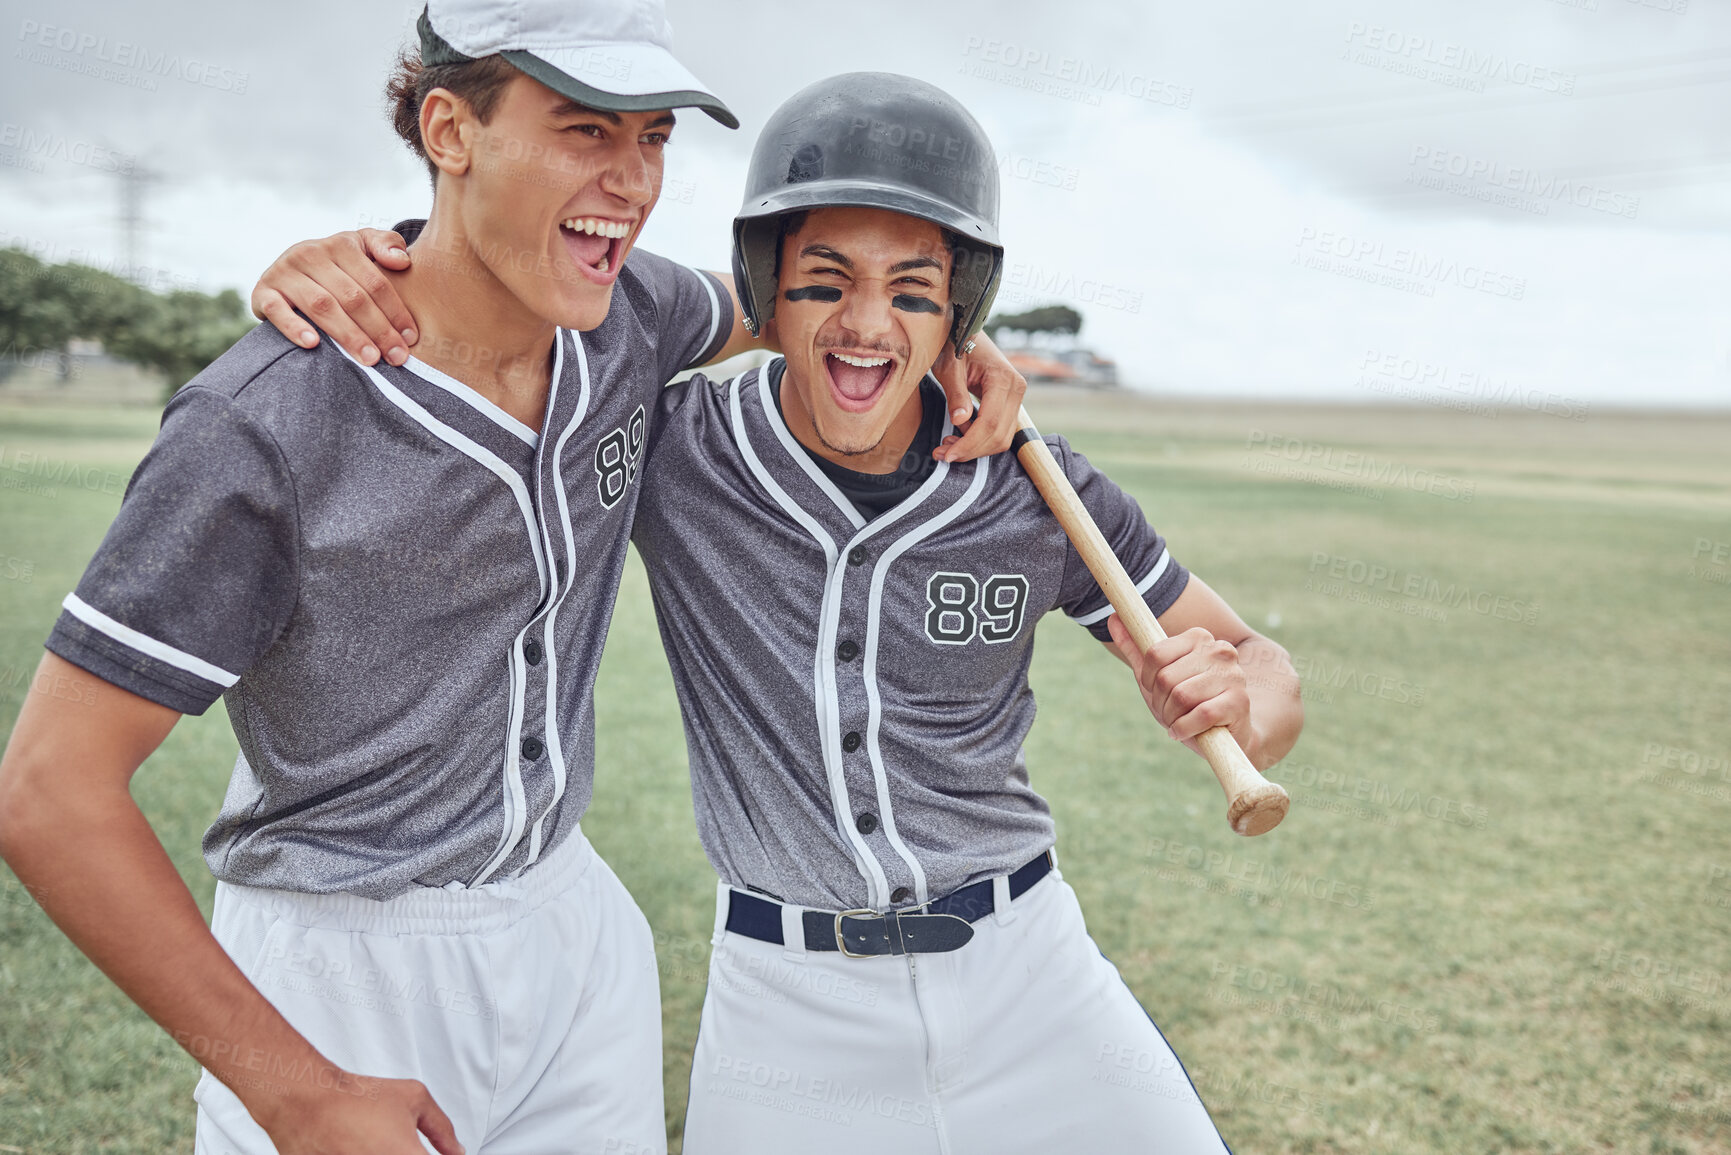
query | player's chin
[851, 433]
[573, 304]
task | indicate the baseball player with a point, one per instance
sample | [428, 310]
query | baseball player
[898, 965]
[399, 576]
[399, 580]
[850, 625]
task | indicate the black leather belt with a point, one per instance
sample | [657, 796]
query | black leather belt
[944, 924]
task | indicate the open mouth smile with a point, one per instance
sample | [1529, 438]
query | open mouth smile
[596, 245]
[856, 379]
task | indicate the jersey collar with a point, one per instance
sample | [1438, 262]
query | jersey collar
[798, 474]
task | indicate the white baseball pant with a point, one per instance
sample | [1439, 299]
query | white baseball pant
[1024, 1040]
[530, 1008]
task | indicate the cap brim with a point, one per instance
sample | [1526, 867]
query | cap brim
[620, 78]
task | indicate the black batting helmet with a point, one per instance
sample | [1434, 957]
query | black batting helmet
[875, 140]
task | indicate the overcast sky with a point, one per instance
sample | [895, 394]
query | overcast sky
[1353, 199]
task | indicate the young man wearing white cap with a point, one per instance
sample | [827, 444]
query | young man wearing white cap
[898, 964]
[399, 578]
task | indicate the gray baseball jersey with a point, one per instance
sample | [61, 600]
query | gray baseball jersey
[400, 591]
[856, 691]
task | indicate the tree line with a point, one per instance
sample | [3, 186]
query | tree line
[1045, 319]
[175, 334]
[43, 308]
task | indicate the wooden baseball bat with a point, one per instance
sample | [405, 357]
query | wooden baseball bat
[1254, 805]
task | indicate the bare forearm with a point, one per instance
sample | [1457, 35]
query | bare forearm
[1276, 709]
[92, 861]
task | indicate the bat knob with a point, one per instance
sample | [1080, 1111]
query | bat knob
[1259, 809]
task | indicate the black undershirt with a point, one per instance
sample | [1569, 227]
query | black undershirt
[876, 493]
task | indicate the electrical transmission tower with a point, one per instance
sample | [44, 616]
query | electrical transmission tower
[133, 179]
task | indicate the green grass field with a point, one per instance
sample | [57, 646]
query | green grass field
[1498, 918]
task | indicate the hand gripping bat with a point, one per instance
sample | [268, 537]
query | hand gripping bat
[1254, 805]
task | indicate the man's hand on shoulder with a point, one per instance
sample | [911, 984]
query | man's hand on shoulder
[337, 283]
[987, 373]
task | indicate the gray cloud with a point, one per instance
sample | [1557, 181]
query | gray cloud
[1172, 168]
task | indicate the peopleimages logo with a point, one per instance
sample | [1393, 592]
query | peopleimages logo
[1029, 282]
[1363, 468]
[800, 1093]
[32, 472]
[39, 145]
[1330, 573]
[1369, 260]
[1473, 390]
[1066, 77]
[1446, 62]
[1396, 799]
[1328, 996]
[90, 54]
[1483, 179]
[1038, 171]
[1272, 879]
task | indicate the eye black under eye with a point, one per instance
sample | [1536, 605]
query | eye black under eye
[908, 303]
[828, 294]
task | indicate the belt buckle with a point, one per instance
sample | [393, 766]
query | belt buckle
[840, 942]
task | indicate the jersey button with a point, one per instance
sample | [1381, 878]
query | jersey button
[532, 653]
[866, 822]
[847, 651]
[532, 748]
[901, 895]
[856, 555]
[850, 742]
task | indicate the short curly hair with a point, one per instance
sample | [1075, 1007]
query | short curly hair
[478, 83]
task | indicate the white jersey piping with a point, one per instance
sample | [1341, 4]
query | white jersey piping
[772, 413]
[513, 795]
[823, 675]
[481, 404]
[555, 748]
[874, 702]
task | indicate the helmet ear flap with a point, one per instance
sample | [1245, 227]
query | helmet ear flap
[754, 269]
[976, 271]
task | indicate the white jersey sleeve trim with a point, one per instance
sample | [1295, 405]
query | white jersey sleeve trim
[145, 644]
[1142, 587]
[714, 308]
[475, 400]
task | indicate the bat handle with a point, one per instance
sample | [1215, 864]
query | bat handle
[1254, 805]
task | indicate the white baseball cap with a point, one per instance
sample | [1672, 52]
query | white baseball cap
[615, 55]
